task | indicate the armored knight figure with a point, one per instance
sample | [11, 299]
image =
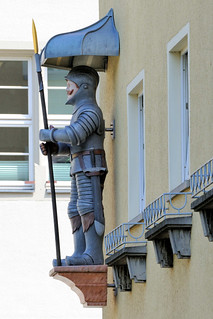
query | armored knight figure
[83, 141]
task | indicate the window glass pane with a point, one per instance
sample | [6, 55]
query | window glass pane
[61, 168]
[56, 77]
[14, 139]
[13, 101]
[14, 168]
[56, 102]
[13, 73]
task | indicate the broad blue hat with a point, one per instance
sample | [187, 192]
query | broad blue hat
[90, 46]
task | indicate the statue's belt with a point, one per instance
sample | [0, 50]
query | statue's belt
[95, 152]
[92, 154]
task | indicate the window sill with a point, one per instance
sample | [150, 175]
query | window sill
[60, 187]
[137, 219]
[17, 187]
[180, 188]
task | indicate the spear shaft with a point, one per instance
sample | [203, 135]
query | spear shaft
[50, 165]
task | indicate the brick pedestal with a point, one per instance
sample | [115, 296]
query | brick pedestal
[88, 282]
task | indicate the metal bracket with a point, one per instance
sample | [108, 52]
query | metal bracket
[137, 268]
[172, 236]
[180, 242]
[206, 216]
[204, 205]
[115, 288]
[163, 252]
[121, 278]
[111, 129]
[128, 264]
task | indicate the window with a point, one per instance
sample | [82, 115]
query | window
[185, 115]
[141, 152]
[59, 115]
[178, 108]
[16, 151]
[136, 146]
[57, 109]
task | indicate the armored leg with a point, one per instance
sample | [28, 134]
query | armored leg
[91, 212]
[75, 219]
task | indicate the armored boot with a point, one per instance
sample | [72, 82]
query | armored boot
[79, 239]
[93, 232]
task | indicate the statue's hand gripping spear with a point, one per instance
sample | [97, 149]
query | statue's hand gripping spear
[43, 104]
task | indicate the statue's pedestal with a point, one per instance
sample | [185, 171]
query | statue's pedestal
[88, 282]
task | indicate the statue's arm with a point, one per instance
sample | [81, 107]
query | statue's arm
[76, 133]
[61, 149]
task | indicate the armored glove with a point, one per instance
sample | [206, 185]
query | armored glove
[53, 148]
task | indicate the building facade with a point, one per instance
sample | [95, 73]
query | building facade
[159, 93]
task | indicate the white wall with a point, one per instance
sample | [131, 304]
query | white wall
[26, 253]
[51, 17]
[26, 223]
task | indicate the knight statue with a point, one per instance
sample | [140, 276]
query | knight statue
[83, 141]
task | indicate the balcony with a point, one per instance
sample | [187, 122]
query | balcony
[123, 236]
[126, 250]
[164, 207]
[201, 182]
[202, 179]
[168, 223]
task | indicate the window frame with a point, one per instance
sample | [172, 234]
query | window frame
[176, 48]
[185, 115]
[20, 120]
[136, 165]
[141, 140]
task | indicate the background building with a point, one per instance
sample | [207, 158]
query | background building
[159, 92]
[26, 227]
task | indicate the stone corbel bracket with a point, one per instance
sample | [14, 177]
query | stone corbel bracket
[204, 205]
[171, 236]
[88, 282]
[128, 264]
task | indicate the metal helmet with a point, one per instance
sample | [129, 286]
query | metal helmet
[87, 80]
[83, 75]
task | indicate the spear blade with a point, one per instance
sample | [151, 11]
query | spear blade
[35, 39]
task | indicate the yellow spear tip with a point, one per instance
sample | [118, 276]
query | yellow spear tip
[35, 41]
[33, 25]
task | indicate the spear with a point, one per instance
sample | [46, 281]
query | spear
[50, 165]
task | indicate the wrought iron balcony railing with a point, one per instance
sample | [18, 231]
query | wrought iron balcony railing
[163, 207]
[202, 178]
[122, 236]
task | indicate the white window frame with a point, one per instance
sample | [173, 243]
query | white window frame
[141, 140]
[185, 115]
[176, 48]
[136, 146]
[20, 120]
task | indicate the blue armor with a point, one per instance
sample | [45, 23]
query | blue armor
[83, 140]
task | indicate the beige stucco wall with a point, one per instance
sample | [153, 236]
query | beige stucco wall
[145, 28]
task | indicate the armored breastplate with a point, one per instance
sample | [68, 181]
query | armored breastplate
[81, 160]
[96, 139]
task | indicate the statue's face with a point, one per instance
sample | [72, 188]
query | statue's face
[71, 89]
